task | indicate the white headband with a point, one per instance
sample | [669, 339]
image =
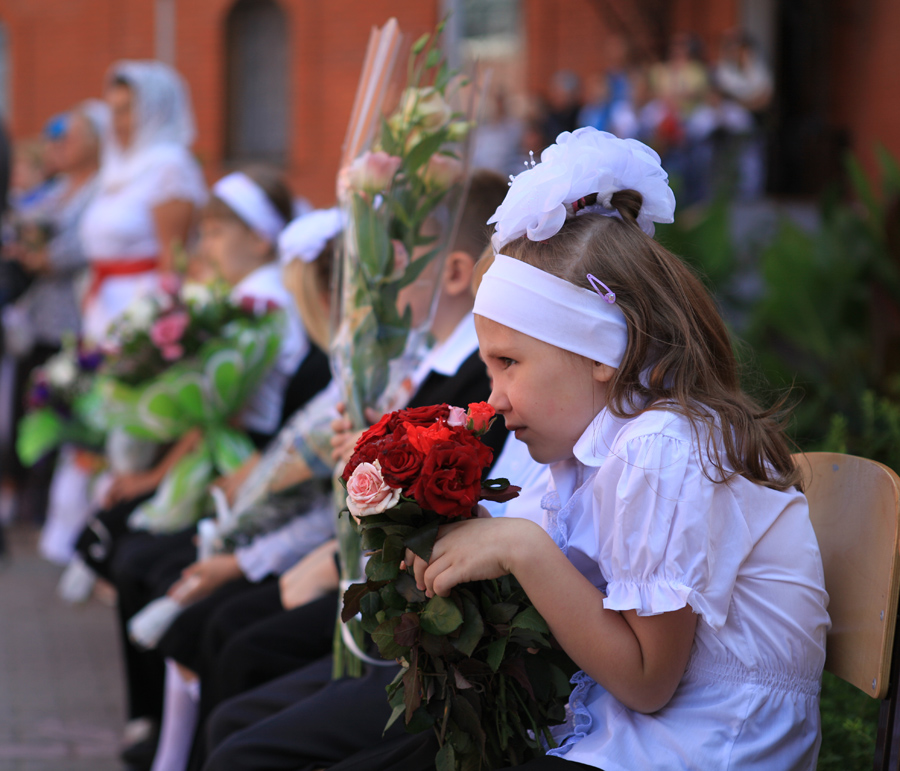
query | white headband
[306, 237]
[550, 309]
[251, 204]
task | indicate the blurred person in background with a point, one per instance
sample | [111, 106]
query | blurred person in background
[37, 323]
[681, 81]
[743, 77]
[718, 132]
[563, 105]
[609, 92]
[49, 309]
[497, 138]
[5, 173]
[43, 245]
[149, 190]
[679, 86]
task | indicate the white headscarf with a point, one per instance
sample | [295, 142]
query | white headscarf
[162, 117]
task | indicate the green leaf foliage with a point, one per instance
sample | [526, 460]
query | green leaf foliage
[383, 637]
[441, 616]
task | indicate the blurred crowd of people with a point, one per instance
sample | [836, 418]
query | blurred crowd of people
[705, 115]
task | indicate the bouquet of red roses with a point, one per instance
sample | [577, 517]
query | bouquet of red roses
[479, 667]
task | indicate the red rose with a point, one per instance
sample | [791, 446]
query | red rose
[424, 437]
[364, 453]
[424, 416]
[400, 461]
[382, 428]
[481, 453]
[450, 480]
[481, 414]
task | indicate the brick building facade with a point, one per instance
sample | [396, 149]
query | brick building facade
[838, 54]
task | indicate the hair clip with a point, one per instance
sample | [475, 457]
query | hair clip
[610, 296]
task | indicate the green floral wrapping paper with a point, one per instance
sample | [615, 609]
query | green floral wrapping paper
[205, 392]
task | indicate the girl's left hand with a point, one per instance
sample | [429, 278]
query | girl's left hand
[473, 550]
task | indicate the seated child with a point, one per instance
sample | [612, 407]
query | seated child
[676, 564]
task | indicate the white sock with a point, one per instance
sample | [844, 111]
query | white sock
[180, 709]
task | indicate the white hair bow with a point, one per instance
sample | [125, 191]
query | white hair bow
[580, 163]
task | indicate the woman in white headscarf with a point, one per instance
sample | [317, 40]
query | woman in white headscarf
[150, 188]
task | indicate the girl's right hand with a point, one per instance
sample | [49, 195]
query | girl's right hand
[473, 550]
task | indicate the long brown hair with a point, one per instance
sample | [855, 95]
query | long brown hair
[679, 354]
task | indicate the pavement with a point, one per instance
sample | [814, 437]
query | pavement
[61, 693]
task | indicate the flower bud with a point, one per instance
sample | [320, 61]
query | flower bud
[441, 172]
[370, 173]
[425, 108]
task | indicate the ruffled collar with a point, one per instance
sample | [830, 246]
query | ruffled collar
[596, 443]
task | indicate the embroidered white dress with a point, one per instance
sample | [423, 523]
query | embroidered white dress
[155, 167]
[635, 514]
[118, 226]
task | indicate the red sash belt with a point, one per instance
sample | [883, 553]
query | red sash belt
[104, 269]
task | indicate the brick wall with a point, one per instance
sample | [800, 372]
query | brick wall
[60, 50]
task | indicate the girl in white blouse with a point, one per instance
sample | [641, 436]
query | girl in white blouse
[676, 563]
[149, 188]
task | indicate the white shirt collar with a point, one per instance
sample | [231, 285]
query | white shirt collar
[591, 450]
[451, 354]
[446, 358]
[596, 443]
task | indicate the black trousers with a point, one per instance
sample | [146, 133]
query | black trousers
[274, 646]
[98, 542]
[239, 640]
[305, 720]
[142, 569]
[415, 752]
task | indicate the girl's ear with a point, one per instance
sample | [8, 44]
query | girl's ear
[603, 373]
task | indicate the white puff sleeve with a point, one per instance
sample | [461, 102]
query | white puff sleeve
[668, 536]
[175, 176]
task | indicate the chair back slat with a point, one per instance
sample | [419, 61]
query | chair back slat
[854, 505]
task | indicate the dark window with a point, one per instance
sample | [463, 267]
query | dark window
[491, 18]
[257, 81]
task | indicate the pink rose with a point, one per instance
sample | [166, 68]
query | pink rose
[172, 352]
[170, 283]
[168, 330]
[367, 492]
[401, 259]
[371, 172]
[441, 172]
[457, 417]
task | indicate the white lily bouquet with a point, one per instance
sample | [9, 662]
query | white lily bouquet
[401, 185]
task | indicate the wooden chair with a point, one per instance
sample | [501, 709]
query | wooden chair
[855, 510]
